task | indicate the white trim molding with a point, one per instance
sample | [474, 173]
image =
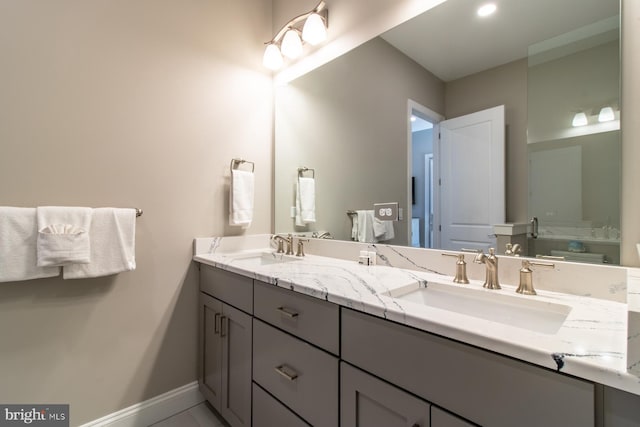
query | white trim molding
[153, 410]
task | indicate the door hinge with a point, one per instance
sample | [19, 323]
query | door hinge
[439, 181]
[439, 228]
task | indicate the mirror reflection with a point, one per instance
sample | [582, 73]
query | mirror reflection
[350, 120]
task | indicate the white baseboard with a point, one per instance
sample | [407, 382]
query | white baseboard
[153, 410]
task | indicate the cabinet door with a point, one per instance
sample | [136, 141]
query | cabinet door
[369, 402]
[235, 330]
[210, 357]
[440, 418]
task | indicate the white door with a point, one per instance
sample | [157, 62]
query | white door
[472, 187]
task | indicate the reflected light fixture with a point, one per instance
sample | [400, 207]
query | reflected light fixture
[606, 114]
[287, 41]
[486, 9]
[580, 119]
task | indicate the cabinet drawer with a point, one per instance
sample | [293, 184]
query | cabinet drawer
[234, 289]
[368, 401]
[301, 376]
[440, 418]
[309, 318]
[268, 412]
[481, 386]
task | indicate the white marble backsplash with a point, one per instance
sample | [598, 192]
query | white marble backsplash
[592, 280]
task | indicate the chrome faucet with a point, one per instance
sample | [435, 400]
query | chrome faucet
[281, 239]
[491, 262]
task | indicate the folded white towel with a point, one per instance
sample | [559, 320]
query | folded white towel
[63, 235]
[241, 198]
[365, 226]
[383, 230]
[306, 200]
[18, 236]
[113, 232]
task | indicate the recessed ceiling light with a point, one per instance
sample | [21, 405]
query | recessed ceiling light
[486, 9]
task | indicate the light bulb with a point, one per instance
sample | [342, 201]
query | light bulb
[291, 44]
[314, 31]
[272, 58]
[580, 119]
[606, 115]
[486, 9]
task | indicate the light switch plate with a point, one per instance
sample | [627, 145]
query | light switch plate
[386, 211]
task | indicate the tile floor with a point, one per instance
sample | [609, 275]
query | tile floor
[198, 416]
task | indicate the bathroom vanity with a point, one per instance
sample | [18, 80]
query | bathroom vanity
[327, 342]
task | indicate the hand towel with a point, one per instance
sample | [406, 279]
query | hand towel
[365, 226]
[63, 235]
[113, 232]
[241, 198]
[18, 237]
[383, 230]
[306, 194]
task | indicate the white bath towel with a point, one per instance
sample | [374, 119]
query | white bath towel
[365, 226]
[63, 235]
[305, 201]
[241, 198]
[307, 189]
[18, 237]
[113, 232]
[383, 230]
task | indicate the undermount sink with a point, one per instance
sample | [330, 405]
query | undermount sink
[264, 258]
[513, 310]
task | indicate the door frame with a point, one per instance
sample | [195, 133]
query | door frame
[435, 118]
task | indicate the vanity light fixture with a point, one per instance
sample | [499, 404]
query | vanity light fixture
[287, 41]
[606, 114]
[580, 119]
[487, 9]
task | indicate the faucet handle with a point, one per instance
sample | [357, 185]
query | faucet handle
[461, 269]
[526, 276]
[300, 251]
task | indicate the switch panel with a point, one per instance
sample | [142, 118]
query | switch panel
[386, 211]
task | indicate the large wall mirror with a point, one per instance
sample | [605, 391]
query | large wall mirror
[370, 125]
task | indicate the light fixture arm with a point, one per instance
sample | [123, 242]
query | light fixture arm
[320, 9]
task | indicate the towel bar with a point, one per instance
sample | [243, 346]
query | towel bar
[304, 169]
[237, 162]
[138, 212]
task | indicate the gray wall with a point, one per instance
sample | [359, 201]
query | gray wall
[131, 104]
[347, 139]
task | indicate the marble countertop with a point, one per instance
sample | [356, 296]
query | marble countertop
[591, 343]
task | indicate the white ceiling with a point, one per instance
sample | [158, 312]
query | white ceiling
[451, 41]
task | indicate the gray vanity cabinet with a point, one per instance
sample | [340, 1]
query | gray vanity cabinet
[480, 386]
[367, 401]
[225, 350]
[440, 418]
[620, 409]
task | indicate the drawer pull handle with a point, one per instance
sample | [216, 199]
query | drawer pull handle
[287, 312]
[216, 323]
[223, 326]
[291, 376]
